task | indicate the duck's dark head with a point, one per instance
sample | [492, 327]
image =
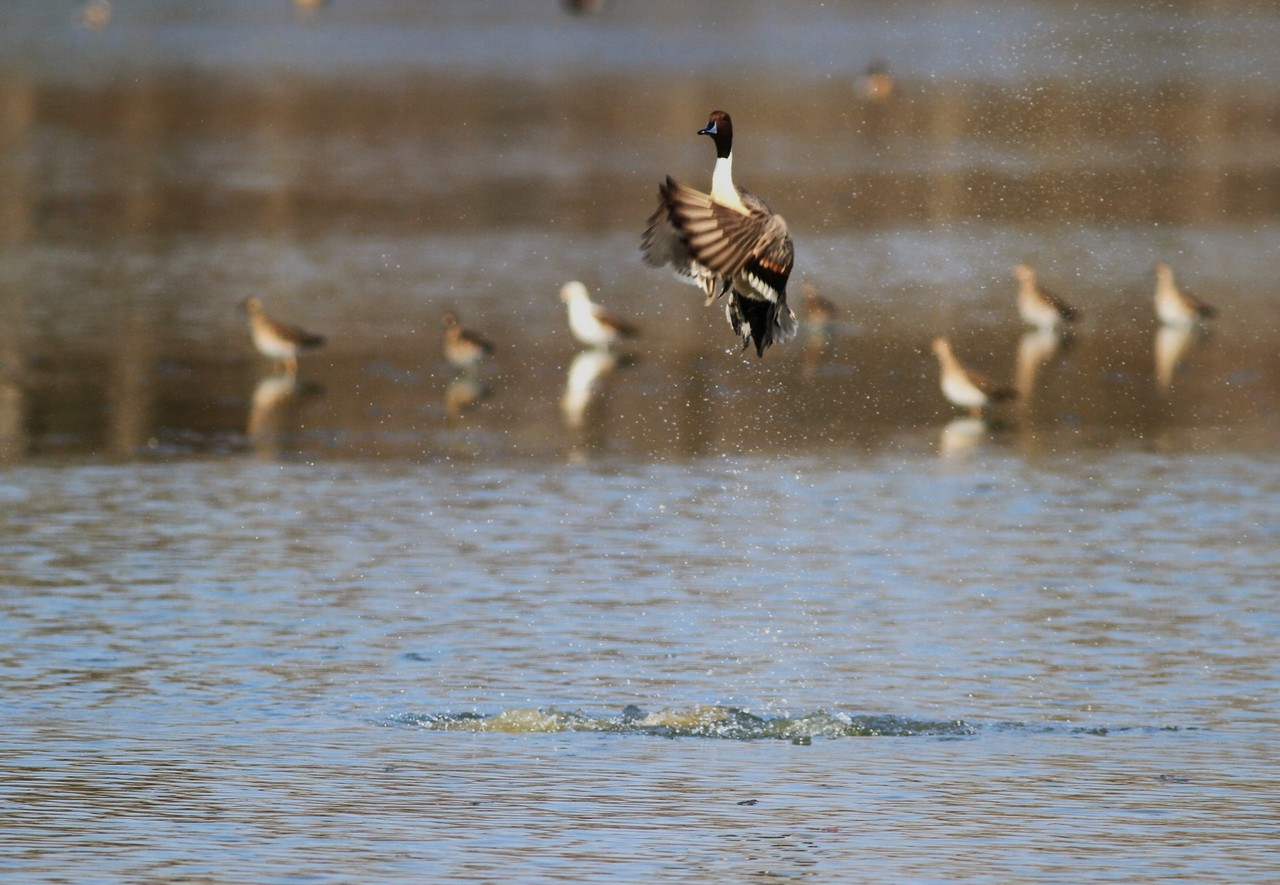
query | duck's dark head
[720, 128]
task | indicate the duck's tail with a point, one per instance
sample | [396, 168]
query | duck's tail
[761, 322]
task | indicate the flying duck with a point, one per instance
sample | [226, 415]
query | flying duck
[727, 242]
[276, 340]
[463, 348]
[590, 323]
[1175, 307]
[1038, 306]
[965, 387]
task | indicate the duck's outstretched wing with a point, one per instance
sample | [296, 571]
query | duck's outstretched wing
[752, 247]
[662, 245]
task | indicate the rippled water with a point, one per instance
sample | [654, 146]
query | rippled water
[734, 666]
[673, 613]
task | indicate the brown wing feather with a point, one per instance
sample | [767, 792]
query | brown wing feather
[721, 238]
[293, 334]
[744, 255]
[662, 245]
[1067, 311]
[992, 388]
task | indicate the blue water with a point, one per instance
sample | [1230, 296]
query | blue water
[707, 617]
[249, 672]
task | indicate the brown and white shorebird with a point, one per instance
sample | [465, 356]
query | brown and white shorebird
[964, 386]
[1175, 307]
[95, 14]
[876, 82]
[727, 242]
[276, 340]
[1038, 306]
[590, 323]
[463, 348]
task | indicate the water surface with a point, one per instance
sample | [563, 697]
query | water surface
[669, 613]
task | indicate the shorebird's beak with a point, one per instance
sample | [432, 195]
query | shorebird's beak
[710, 129]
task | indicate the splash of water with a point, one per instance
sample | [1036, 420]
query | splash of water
[727, 723]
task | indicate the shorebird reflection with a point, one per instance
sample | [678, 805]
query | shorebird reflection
[1035, 349]
[273, 410]
[819, 325]
[587, 375]
[462, 392]
[962, 435]
[269, 396]
[1173, 343]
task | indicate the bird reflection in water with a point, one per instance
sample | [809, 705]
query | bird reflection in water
[1173, 344]
[961, 436]
[273, 412]
[1036, 348]
[463, 392]
[819, 325]
[588, 374]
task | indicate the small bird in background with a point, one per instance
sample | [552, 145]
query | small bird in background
[1175, 307]
[95, 14]
[276, 340]
[965, 387]
[1038, 306]
[590, 323]
[463, 348]
[876, 82]
[727, 242]
[462, 392]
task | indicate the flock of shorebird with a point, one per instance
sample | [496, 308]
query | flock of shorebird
[733, 247]
[1178, 311]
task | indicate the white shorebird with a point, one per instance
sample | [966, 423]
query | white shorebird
[590, 323]
[1175, 307]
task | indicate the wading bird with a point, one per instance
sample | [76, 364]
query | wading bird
[276, 340]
